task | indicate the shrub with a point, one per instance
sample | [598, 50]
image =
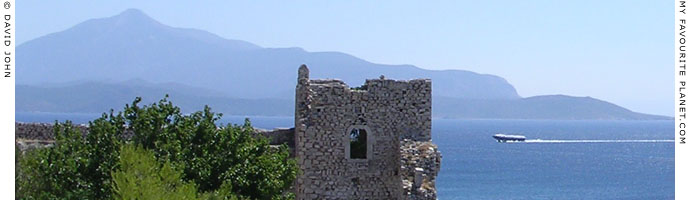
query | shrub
[76, 167]
[210, 155]
[222, 161]
[141, 176]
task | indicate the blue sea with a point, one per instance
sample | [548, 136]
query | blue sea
[561, 160]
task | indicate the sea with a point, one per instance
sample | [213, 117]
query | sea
[561, 159]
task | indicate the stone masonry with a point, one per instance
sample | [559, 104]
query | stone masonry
[401, 162]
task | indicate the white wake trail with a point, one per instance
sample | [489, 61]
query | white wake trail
[594, 141]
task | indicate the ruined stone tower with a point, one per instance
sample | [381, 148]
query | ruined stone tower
[365, 142]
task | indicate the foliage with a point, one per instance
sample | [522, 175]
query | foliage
[19, 176]
[213, 156]
[76, 167]
[219, 162]
[141, 176]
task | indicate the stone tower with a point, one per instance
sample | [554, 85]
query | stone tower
[348, 140]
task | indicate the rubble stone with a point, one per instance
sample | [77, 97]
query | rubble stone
[397, 118]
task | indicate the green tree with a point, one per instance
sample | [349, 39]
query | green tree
[76, 167]
[220, 160]
[141, 176]
[212, 156]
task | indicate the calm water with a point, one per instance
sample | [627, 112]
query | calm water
[579, 160]
[474, 166]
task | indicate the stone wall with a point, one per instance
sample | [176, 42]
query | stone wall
[39, 131]
[278, 136]
[325, 112]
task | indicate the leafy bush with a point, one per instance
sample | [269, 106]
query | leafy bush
[141, 176]
[212, 156]
[76, 167]
[219, 160]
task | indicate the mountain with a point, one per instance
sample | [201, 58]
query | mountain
[104, 63]
[131, 45]
[560, 107]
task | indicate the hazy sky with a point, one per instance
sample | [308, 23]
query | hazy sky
[615, 50]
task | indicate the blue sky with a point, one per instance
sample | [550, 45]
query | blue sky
[615, 50]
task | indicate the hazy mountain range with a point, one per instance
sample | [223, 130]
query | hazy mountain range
[104, 63]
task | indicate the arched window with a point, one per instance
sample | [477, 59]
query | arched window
[358, 143]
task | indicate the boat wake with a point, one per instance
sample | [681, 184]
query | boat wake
[595, 141]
